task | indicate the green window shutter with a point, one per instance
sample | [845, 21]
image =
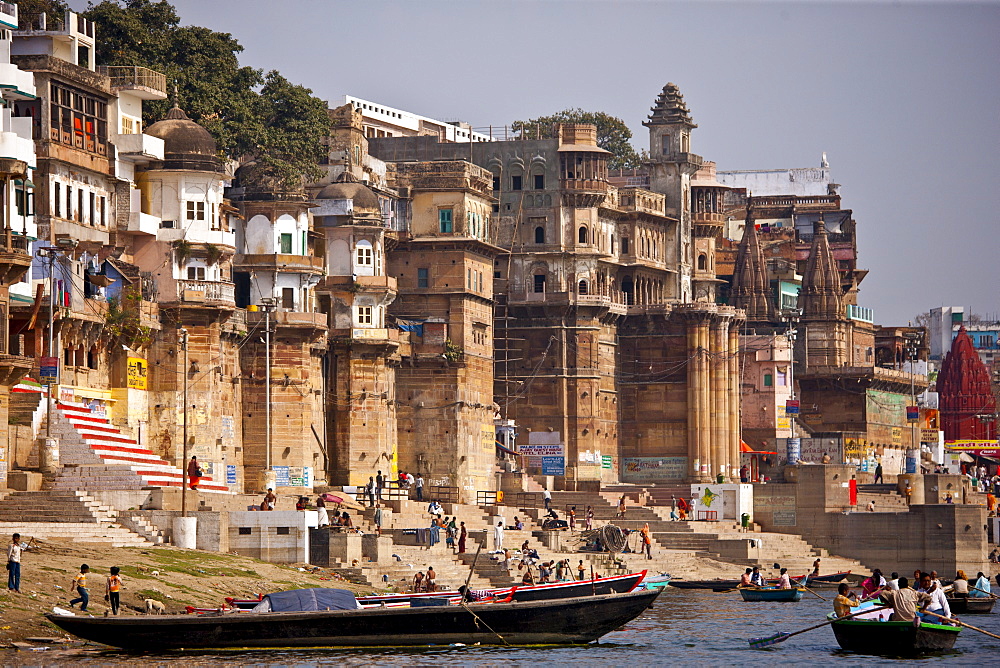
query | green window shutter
[285, 241]
[444, 220]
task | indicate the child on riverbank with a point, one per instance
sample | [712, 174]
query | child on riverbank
[114, 589]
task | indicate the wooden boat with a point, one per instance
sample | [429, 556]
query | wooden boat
[971, 605]
[829, 579]
[723, 585]
[540, 592]
[893, 638]
[562, 621]
[655, 581]
[771, 594]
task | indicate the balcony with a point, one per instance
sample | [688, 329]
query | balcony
[14, 148]
[143, 223]
[142, 82]
[357, 284]
[640, 200]
[8, 15]
[860, 313]
[218, 293]
[18, 84]
[139, 148]
[282, 262]
[13, 368]
[372, 335]
[14, 257]
[287, 319]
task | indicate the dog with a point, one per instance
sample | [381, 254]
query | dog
[154, 607]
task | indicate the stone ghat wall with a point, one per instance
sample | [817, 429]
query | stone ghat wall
[942, 537]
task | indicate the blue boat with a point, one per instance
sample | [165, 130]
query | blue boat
[655, 581]
[771, 594]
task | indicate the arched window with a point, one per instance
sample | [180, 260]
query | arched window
[539, 235]
[365, 256]
[539, 286]
[702, 262]
[629, 290]
[582, 288]
[583, 234]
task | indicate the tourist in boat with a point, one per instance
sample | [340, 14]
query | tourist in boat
[745, 579]
[960, 587]
[845, 600]
[756, 579]
[903, 602]
[893, 582]
[872, 585]
[938, 603]
[981, 587]
[783, 580]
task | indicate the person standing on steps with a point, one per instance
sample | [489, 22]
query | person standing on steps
[463, 534]
[113, 593]
[547, 497]
[14, 564]
[878, 474]
[647, 543]
[80, 585]
[379, 483]
[420, 487]
[590, 518]
[270, 498]
[498, 537]
[194, 473]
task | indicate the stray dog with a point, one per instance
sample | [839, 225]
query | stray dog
[154, 607]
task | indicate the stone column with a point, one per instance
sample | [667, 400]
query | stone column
[719, 364]
[694, 412]
[734, 399]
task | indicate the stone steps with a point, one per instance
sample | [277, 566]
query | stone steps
[112, 535]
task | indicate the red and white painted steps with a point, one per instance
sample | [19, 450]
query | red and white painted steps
[100, 454]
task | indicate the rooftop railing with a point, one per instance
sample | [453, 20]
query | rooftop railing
[129, 76]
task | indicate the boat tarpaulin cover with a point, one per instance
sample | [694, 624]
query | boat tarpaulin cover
[304, 600]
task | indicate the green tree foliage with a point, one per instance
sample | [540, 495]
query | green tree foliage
[29, 9]
[612, 133]
[267, 119]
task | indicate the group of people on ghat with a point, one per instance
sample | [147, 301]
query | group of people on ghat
[925, 598]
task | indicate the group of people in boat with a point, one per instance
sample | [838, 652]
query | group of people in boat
[925, 598]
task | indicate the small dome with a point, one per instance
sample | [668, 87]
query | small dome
[186, 145]
[348, 187]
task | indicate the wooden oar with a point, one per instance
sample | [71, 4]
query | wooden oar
[767, 641]
[961, 623]
[814, 593]
[988, 593]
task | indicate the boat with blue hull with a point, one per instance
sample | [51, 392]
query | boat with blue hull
[771, 594]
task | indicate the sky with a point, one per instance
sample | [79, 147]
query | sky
[903, 97]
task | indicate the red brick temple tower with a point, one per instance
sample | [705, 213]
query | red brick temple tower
[964, 388]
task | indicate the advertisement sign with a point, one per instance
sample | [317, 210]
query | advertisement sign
[792, 407]
[652, 469]
[230, 474]
[49, 370]
[534, 450]
[553, 466]
[912, 413]
[929, 436]
[978, 447]
[281, 476]
[606, 461]
[793, 450]
[137, 373]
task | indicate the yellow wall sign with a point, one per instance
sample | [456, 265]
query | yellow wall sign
[138, 372]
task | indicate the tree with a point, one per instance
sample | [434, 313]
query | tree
[278, 124]
[54, 10]
[612, 133]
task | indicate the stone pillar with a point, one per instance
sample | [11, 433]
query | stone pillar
[694, 412]
[699, 396]
[705, 385]
[734, 400]
[719, 364]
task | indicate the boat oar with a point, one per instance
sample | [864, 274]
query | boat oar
[988, 593]
[814, 593]
[961, 623]
[758, 643]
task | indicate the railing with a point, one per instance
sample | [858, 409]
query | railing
[128, 76]
[860, 313]
[583, 184]
[488, 498]
[218, 291]
[528, 500]
[14, 243]
[8, 8]
[442, 494]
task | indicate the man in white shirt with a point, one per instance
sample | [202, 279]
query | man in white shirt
[938, 603]
[547, 497]
[14, 564]
[893, 583]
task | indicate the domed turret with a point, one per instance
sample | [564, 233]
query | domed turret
[365, 202]
[187, 145]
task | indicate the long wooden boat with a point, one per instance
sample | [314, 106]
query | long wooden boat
[971, 605]
[893, 638]
[774, 594]
[723, 585]
[540, 592]
[655, 581]
[562, 621]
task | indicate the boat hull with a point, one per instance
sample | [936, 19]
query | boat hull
[894, 638]
[617, 585]
[771, 595]
[565, 621]
[971, 606]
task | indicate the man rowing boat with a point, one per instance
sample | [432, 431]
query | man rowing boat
[904, 602]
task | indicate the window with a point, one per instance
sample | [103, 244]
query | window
[283, 531]
[245, 531]
[79, 205]
[364, 315]
[104, 211]
[539, 235]
[582, 287]
[702, 262]
[213, 220]
[444, 221]
[496, 183]
[515, 182]
[539, 181]
[582, 235]
[423, 277]
[665, 144]
[93, 208]
[196, 273]
[539, 283]
[624, 245]
[365, 255]
[166, 224]
[78, 119]
[468, 279]
[768, 380]
[288, 298]
[781, 378]
[57, 200]
[196, 211]
[69, 202]
[285, 243]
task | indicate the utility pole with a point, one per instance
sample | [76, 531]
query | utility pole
[184, 428]
[268, 303]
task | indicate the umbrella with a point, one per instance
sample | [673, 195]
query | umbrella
[342, 499]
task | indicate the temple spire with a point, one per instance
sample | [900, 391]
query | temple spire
[963, 385]
[750, 285]
[821, 297]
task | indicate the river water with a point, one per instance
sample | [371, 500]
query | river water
[684, 628]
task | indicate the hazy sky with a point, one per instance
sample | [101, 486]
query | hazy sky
[904, 98]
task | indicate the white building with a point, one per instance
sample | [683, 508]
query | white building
[799, 181]
[384, 121]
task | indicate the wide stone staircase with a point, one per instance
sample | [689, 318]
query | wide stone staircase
[65, 515]
[886, 497]
[95, 455]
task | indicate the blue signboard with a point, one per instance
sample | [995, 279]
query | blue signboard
[282, 476]
[553, 466]
[230, 474]
[49, 370]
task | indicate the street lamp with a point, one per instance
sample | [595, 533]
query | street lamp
[791, 317]
[184, 428]
[268, 304]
